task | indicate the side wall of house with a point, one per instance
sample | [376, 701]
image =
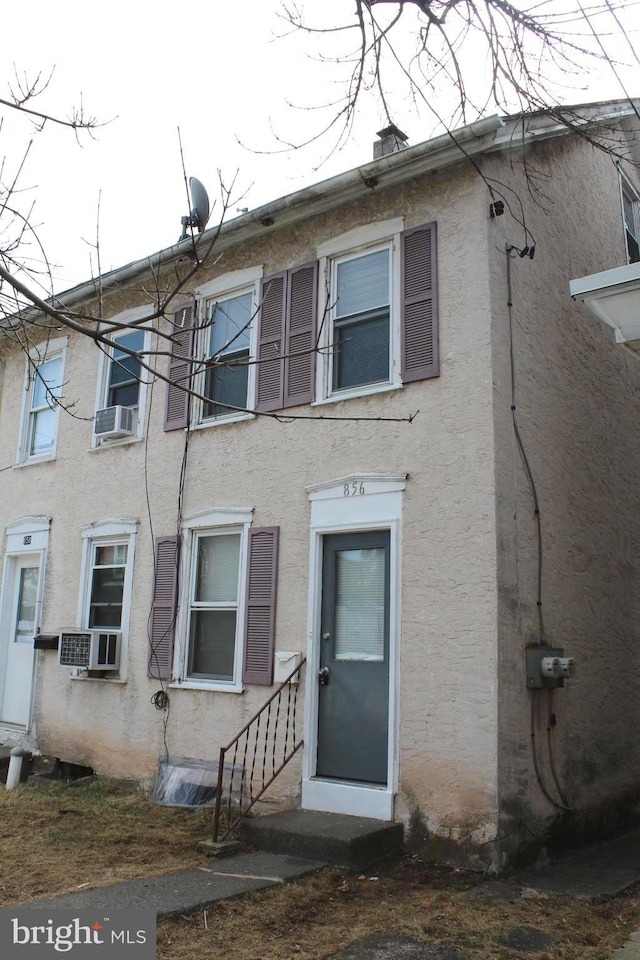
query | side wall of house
[447, 719]
[576, 406]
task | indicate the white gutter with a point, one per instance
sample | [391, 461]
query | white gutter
[484, 136]
[394, 168]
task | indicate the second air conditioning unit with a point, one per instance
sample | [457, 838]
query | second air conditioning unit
[90, 649]
[115, 421]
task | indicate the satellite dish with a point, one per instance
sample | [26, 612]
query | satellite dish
[199, 215]
[200, 204]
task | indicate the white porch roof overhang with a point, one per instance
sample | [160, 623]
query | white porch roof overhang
[614, 297]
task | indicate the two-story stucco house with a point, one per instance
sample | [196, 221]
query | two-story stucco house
[406, 455]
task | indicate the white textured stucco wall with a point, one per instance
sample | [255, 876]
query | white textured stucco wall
[577, 396]
[448, 735]
[469, 556]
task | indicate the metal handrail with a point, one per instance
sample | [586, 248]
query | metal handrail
[261, 750]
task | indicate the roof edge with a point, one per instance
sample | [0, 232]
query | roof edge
[486, 135]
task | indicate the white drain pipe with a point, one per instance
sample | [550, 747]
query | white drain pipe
[15, 767]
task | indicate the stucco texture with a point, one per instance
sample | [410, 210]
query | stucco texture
[447, 720]
[469, 545]
[576, 400]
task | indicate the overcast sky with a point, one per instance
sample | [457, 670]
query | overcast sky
[144, 69]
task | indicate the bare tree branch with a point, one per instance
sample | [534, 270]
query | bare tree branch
[471, 55]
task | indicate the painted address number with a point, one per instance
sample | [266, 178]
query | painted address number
[354, 489]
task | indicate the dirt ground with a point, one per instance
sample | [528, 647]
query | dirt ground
[56, 839]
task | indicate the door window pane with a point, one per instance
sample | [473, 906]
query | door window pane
[27, 596]
[359, 604]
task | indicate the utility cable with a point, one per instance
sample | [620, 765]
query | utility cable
[563, 805]
[536, 764]
[516, 429]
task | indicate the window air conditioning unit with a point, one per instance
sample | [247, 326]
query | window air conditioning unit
[89, 649]
[115, 422]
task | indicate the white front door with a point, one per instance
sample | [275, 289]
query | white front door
[19, 625]
[352, 704]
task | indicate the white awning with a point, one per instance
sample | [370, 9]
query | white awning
[614, 297]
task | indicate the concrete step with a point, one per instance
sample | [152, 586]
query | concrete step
[352, 843]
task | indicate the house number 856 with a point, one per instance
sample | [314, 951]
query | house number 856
[353, 489]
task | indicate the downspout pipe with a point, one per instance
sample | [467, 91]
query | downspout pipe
[15, 767]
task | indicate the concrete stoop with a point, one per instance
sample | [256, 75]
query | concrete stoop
[352, 843]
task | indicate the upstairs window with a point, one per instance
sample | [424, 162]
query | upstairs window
[360, 319]
[378, 290]
[43, 415]
[41, 411]
[123, 386]
[212, 373]
[631, 212]
[122, 381]
[227, 356]
[361, 287]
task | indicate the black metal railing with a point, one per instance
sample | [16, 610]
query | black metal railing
[250, 763]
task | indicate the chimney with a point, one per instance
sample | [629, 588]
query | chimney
[391, 140]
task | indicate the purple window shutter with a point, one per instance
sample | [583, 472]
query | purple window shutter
[260, 617]
[419, 317]
[177, 406]
[269, 366]
[162, 624]
[300, 342]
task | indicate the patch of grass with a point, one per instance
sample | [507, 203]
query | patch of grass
[56, 839]
[325, 913]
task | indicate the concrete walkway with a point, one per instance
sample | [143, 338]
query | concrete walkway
[604, 870]
[190, 890]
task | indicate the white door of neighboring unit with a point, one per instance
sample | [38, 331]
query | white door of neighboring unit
[19, 626]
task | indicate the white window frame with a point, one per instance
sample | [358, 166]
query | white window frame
[628, 190]
[226, 287]
[44, 352]
[106, 359]
[350, 245]
[108, 533]
[219, 521]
